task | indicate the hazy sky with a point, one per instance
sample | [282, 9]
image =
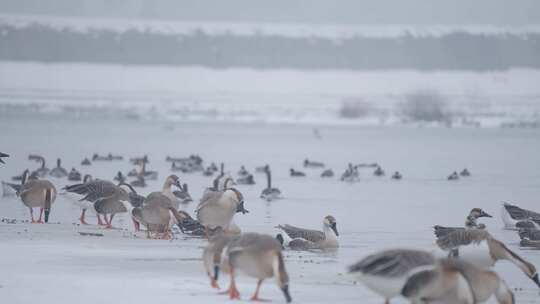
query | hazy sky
[500, 12]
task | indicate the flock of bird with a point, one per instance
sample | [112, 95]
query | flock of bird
[463, 275]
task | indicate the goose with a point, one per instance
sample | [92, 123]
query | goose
[172, 180]
[515, 217]
[258, 256]
[212, 253]
[97, 157]
[312, 164]
[327, 173]
[456, 281]
[58, 172]
[41, 171]
[478, 247]
[386, 272]
[3, 155]
[119, 177]
[208, 172]
[116, 203]
[465, 172]
[470, 223]
[378, 172]
[270, 193]
[295, 173]
[115, 157]
[155, 215]
[246, 180]
[74, 175]
[184, 168]
[217, 208]
[84, 203]
[37, 193]
[106, 197]
[350, 175]
[453, 176]
[304, 239]
[213, 167]
[183, 195]
[397, 175]
[86, 162]
[242, 171]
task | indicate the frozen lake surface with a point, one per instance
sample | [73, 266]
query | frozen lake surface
[54, 264]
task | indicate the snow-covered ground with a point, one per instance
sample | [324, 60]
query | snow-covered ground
[54, 264]
[486, 99]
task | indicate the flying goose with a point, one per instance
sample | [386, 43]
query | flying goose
[37, 193]
[74, 175]
[270, 193]
[3, 155]
[327, 173]
[312, 164]
[58, 172]
[515, 217]
[212, 253]
[217, 208]
[295, 173]
[155, 214]
[470, 223]
[465, 172]
[258, 256]
[386, 272]
[83, 203]
[172, 180]
[456, 281]
[477, 246]
[42, 171]
[304, 239]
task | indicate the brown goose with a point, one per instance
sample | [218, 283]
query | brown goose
[456, 281]
[470, 223]
[483, 250]
[37, 193]
[217, 208]
[155, 215]
[258, 256]
[212, 254]
[172, 180]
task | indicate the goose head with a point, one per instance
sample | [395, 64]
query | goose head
[478, 213]
[237, 198]
[87, 178]
[172, 180]
[329, 222]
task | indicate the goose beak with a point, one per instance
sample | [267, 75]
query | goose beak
[177, 184]
[241, 208]
[535, 279]
[334, 227]
[286, 293]
[484, 214]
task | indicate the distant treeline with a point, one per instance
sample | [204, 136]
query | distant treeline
[459, 50]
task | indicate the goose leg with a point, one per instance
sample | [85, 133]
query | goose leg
[109, 223]
[40, 221]
[233, 292]
[255, 296]
[82, 217]
[99, 221]
[32, 215]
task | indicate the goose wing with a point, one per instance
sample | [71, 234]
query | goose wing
[518, 213]
[463, 237]
[441, 231]
[94, 190]
[301, 233]
[392, 263]
[209, 198]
